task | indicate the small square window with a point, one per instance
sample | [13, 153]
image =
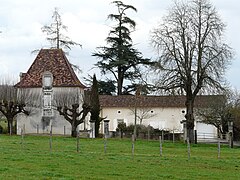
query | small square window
[152, 111]
[119, 112]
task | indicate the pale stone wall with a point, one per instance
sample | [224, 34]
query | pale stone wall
[34, 123]
[168, 119]
[159, 118]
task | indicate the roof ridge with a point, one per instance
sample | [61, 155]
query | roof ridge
[155, 101]
[54, 61]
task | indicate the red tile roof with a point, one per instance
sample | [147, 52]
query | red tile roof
[54, 61]
[154, 101]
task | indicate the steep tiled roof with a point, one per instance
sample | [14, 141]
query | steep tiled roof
[54, 61]
[153, 101]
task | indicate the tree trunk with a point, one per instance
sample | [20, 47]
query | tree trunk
[190, 119]
[74, 130]
[120, 82]
[10, 125]
[97, 124]
[121, 131]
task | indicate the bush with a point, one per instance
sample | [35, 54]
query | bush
[121, 128]
[142, 131]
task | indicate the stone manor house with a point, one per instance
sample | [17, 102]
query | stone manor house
[51, 74]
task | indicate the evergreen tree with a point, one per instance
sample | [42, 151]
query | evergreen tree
[95, 106]
[120, 58]
[106, 87]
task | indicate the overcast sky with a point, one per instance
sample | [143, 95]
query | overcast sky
[21, 22]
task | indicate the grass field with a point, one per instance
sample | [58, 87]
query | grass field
[31, 158]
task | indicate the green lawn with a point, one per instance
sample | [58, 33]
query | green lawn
[33, 159]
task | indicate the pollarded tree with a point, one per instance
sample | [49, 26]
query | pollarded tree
[55, 34]
[68, 105]
[12, 103]
[193, 57]
[120, 58]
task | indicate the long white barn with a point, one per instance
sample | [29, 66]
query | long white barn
[161, 112]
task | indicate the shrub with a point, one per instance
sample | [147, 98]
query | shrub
[121, 128]
[142, 130]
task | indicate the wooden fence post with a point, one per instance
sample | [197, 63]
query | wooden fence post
[105, 143]
[78, 139]
[188, 147]
[173, 137]
[50, 140]
[22, 137]
[219, 149]
[133, 140]
[160, 145]
[37, 128]
[162, 135]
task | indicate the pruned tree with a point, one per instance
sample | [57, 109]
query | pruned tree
[120, 58]
[192, 55]
[12, 103]
[68, 104]
[55, 34]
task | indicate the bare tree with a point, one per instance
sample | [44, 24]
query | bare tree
[12, 103]
[55, 33]
[216, 113]
[235, 111]
[142, 113]
[220, 111]
[192, 55]
[68, 105]
[56, 37]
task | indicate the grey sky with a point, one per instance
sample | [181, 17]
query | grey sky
[21, 22]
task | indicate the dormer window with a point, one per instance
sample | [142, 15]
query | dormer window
[47, 80]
